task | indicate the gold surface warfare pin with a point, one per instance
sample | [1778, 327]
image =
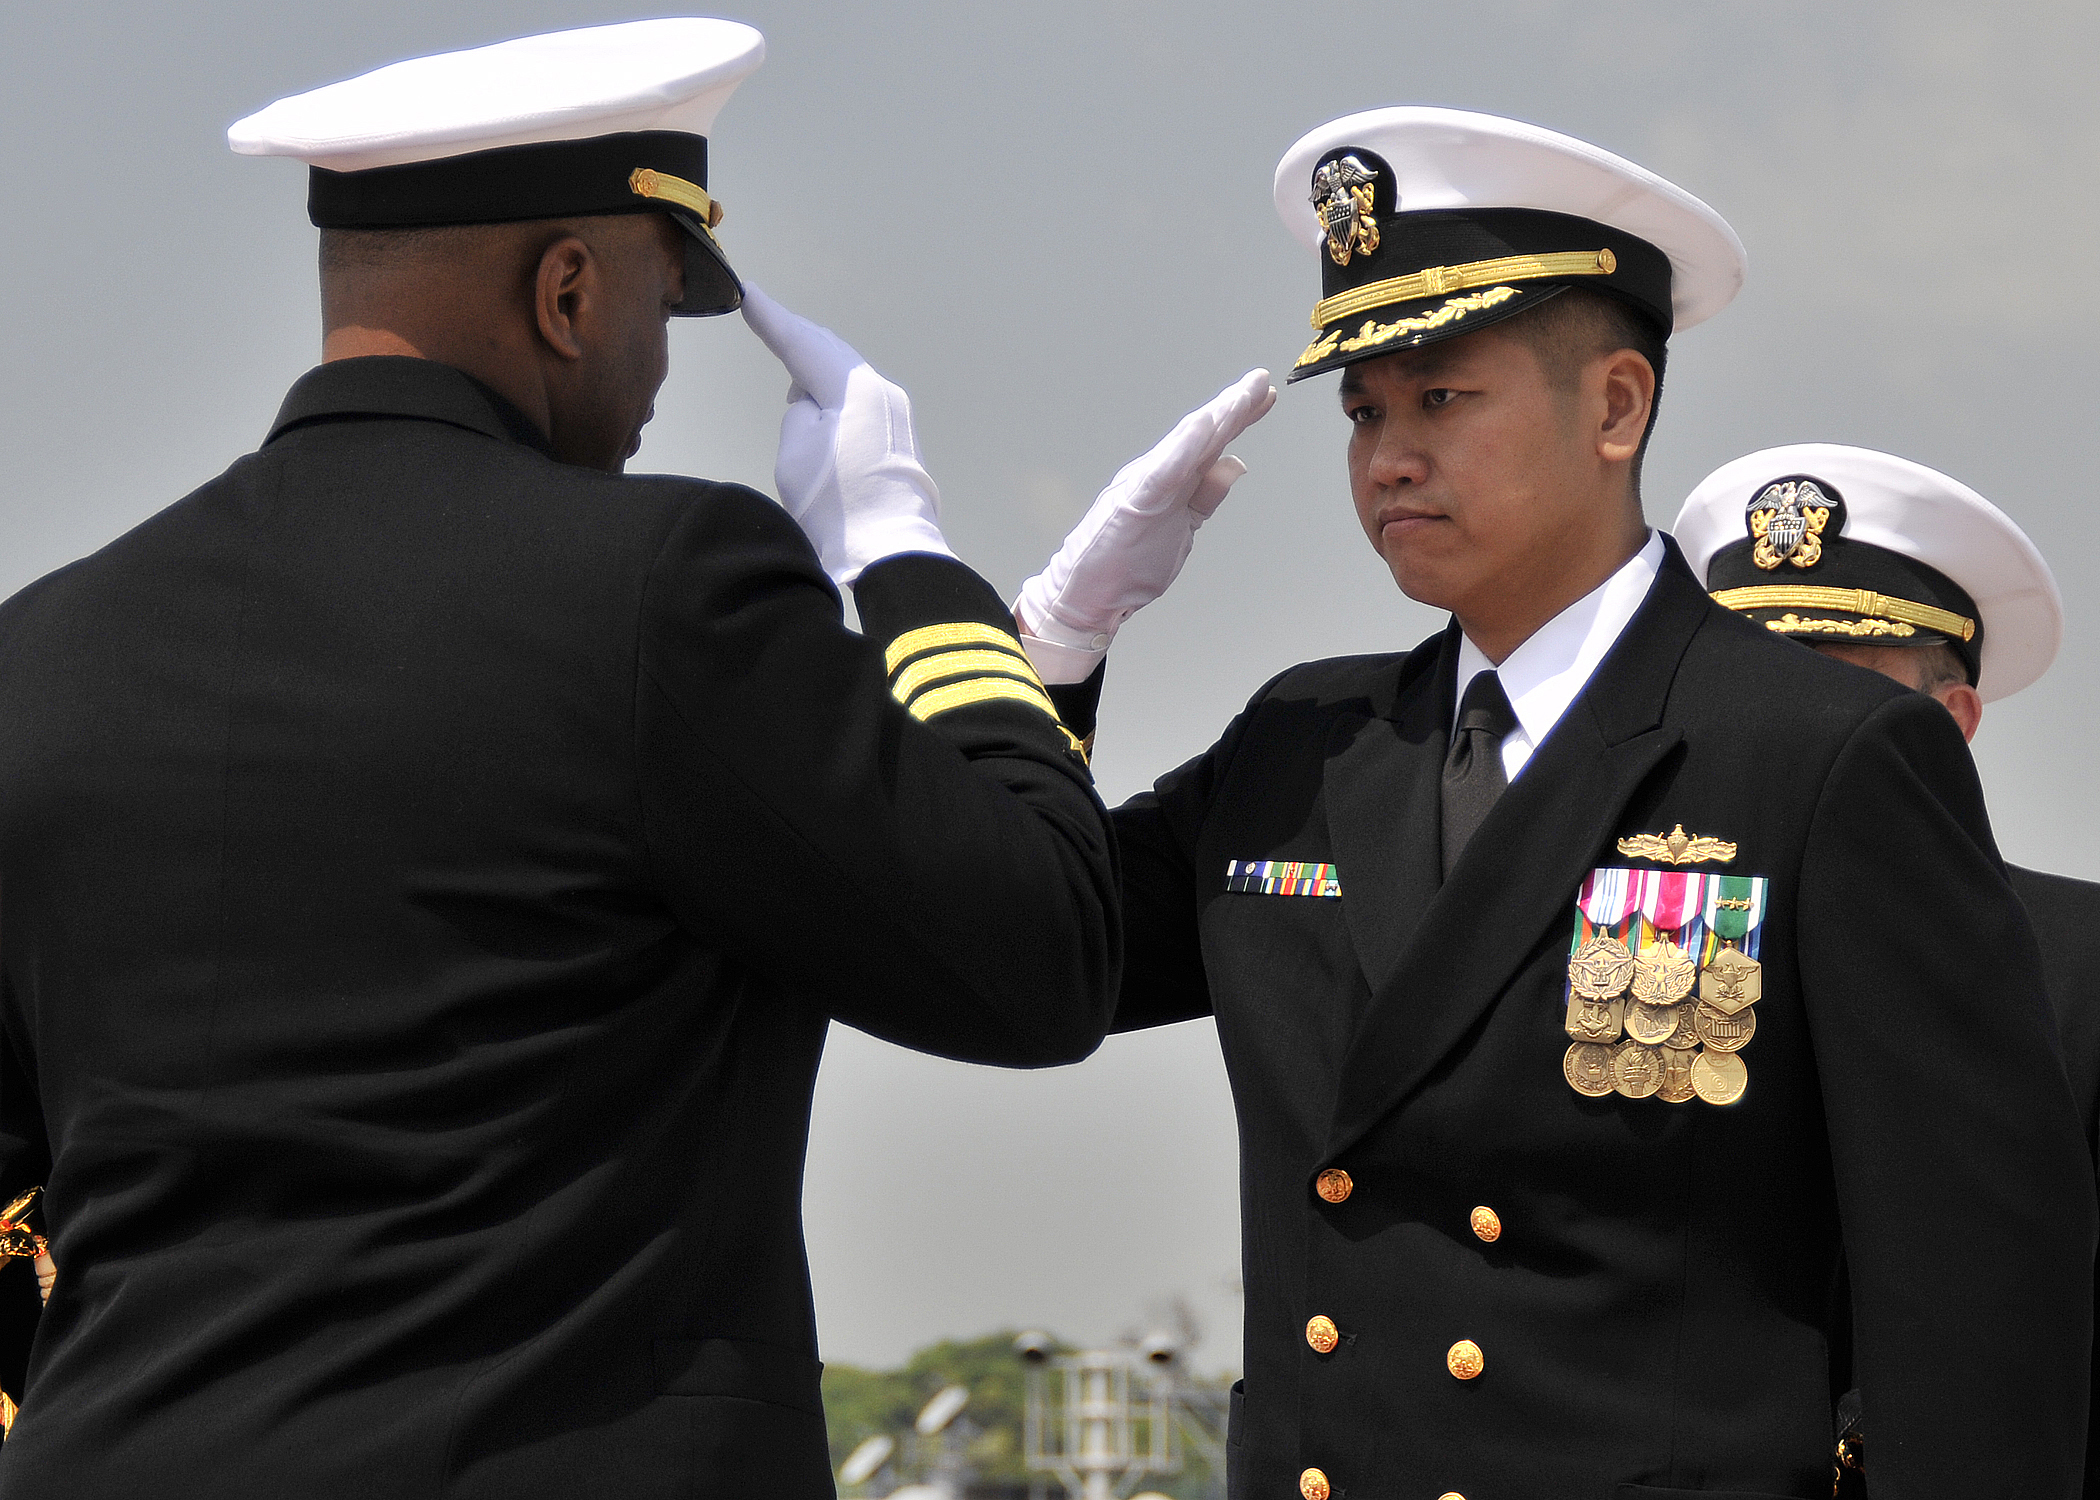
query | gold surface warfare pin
[1677, 847]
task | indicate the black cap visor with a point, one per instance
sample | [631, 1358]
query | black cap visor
[711, 287]
[1409, 325]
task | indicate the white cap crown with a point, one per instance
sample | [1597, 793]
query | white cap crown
[672, 74]
[1455, 159]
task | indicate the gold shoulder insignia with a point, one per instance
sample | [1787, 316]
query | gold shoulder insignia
[1677, 847]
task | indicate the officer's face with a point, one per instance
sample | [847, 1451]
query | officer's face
[1483, 483]
[621, 329]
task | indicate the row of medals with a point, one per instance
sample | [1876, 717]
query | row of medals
[1673, 1046]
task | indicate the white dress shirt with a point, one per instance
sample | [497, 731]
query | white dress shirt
[1543, 675]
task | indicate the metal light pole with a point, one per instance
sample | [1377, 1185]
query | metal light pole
[1110, 1421]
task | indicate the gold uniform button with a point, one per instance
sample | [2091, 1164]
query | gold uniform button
[1465, 1360]
[1313, 1485]
[1335, 1186]
[1487, 1224]
[1321, 1333]
[1451, 1495]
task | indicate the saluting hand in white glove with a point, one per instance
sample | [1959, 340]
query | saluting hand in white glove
[1130, 546]
[848, 469]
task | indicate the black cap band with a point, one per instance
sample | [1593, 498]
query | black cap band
[543, 180]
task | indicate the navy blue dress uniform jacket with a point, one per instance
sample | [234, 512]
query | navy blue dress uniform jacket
[1656, 1315]
[2066, 918]
[427, 872]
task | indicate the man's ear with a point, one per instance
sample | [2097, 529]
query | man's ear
[566, 280]
[1965, 703]
[1628, 382]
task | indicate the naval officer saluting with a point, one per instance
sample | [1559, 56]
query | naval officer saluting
[432, 858]
[1589, 974]
[1889, 565]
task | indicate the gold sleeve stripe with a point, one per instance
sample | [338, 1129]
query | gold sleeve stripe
[647, 182]
[1858, 601]
[948, 637]
[1439, 281]
[937, 701]
[931, 669]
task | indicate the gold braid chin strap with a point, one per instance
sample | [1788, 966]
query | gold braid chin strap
[647, 182]
[1440, 281]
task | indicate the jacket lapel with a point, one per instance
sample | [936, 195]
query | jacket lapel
[1383, 793]
[1515, 882]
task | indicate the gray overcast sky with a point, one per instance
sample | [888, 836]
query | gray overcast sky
[1051, 223]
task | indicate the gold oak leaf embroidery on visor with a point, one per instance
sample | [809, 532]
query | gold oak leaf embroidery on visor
[1374, 333]
[1793, 624]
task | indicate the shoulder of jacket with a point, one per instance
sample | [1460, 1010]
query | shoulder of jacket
[667, 514]
[1790, 685]
[1292, 708]
[25, 600]
[2065, 889]
[677, 494]
[1336, 680]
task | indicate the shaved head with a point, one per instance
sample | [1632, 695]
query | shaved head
[350, 252]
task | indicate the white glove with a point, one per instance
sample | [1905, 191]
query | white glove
[848, 469]
[1130, 546]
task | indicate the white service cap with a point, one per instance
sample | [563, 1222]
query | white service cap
[1441, 221]
[673, 74]
[1824, 542]
[605, 119]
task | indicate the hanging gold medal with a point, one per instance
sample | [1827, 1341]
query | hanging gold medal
[1653, 1024]
[1589, 1070]
[1677, 1065]
[1637, 1071]
[1595, 1020]
[1719, 1077]
[1600, 968]
[1664, 973]
[1732, 981]
[1725, 1033]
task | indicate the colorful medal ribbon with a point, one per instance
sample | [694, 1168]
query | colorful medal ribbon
[1669, 898]
[1734, 912]
[1283, 877]
[1604, 905]
[1607, 897]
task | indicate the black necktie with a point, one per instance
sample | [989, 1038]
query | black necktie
[1473, 776]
